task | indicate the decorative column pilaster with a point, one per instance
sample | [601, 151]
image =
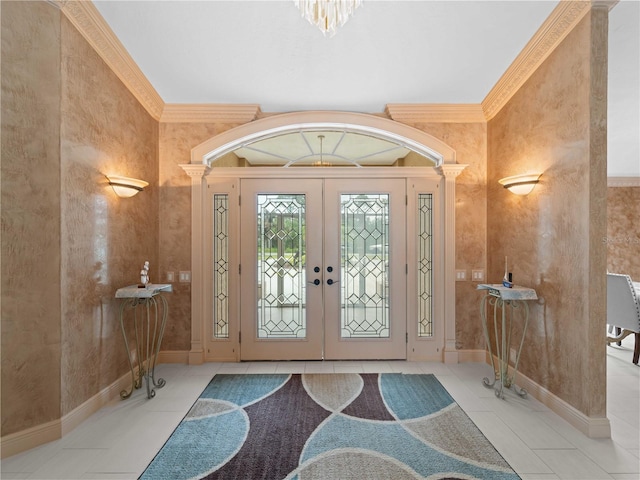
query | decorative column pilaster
[198, 173]
[450, 172]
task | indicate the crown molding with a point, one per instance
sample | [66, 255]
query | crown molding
[208, 113]
[92, 26]
[435, 113]
[555, 28]
[623, 182]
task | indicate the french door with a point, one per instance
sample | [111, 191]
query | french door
[323, 269]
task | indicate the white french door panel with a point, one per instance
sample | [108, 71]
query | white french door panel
[323, 270]
[365, 249]
[281, 246]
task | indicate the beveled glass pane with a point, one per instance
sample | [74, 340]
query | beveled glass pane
[220, 266]
[281, 254]
[425, 268]
[365, 265]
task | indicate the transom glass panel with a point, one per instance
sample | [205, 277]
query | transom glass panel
[281, 254]
[365, 265]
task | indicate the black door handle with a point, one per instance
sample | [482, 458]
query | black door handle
[316, 282]
[331, 281]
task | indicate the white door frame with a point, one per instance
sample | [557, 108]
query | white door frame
[200, 168]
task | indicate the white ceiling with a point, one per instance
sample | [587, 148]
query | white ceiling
[421, 51]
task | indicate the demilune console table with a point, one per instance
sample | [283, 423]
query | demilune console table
[512, 304]
[149, 320]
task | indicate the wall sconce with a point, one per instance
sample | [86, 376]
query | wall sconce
[125, 186]
[520, 184]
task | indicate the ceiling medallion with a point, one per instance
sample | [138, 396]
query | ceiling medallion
[327, 15]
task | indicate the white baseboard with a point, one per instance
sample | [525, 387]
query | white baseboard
[173, 356]
[30, 438]
[79, 414]
[47, 432]
[473, 356]
[592, 427]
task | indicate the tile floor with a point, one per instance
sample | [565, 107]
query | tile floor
[119, 441]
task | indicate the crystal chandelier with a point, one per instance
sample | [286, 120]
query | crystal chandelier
[327, 15]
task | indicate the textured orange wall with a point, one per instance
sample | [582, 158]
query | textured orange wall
[556, 124]
[67, 241]
[30, 215]
[105, 239]
[623, 231]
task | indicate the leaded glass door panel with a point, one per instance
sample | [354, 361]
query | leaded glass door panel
[364, 243]
[221, 279]
[281, 246]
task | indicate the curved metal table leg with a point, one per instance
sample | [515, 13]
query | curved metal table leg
[148, 327]
[504, 373]
[124, 393]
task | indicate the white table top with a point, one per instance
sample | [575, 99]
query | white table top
[514, 293]
[134, 291]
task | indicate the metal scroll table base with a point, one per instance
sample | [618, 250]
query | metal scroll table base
[500, 349]
[149, 326]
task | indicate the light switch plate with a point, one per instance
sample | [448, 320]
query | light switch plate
[477, 275]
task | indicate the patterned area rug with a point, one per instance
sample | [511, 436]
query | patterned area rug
[327, 426]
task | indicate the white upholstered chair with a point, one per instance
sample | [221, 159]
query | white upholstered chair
[623, 310]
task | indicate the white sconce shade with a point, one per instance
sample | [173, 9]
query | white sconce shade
[125, 186]
[520, 184]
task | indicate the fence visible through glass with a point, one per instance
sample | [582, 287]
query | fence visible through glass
[365, 265]
[281, 258]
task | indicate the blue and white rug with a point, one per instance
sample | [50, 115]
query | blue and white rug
[327, 426]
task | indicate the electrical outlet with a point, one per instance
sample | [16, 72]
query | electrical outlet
[477, 275]
[185, 277]
[171, 277]
[461, 275]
